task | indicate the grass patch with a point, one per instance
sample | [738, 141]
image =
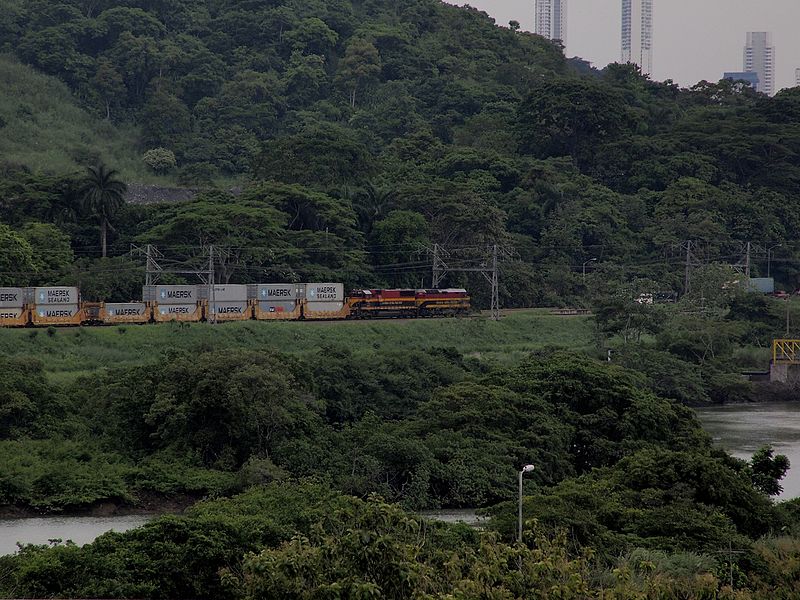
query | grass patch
[43, 127]
[72, 352]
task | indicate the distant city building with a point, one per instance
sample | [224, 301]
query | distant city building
[637, 33]
[759, 57]
[551, 19]
[748, 76]
[797, 77]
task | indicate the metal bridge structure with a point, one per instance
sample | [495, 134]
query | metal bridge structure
[785, 352]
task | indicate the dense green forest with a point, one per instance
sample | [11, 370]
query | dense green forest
[629, 475]
[340, 140]
[343, 136]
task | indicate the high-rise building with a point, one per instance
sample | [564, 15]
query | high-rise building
[637, 33]
[759, 57]
[551, 19]
[797, 77]
[750, 77]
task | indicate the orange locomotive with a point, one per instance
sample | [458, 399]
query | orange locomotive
[410, 303]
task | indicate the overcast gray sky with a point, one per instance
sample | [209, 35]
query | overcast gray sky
[694, 39]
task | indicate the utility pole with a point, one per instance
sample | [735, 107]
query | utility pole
[687, 274]
[153, 269]
[747, 265]
[437, 274]
[148, 276]
[212, 297]
[495, 287]
[769, 258]
[787, 316]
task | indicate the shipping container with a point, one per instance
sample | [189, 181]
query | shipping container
[325, 310]
[225, 293]
[324, 292]
[14, 317]
[229, 311]
[56, 296]
[177, 312]
[276, 292]
[170, 294]
[54, 314]
[129, 312]
[277, 311]
[12, 297]
[764, 285]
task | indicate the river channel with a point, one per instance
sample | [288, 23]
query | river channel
[80, 530]
[740, 429]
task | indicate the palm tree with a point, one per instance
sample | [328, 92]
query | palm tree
[373, 203]
[103, 195]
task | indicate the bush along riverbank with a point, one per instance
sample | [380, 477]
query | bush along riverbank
[426, 429]
[304, 540]
[620, 470]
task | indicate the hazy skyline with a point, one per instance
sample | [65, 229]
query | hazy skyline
[694, 39]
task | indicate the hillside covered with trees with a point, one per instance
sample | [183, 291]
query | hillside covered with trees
[339, 140]
[358, 131]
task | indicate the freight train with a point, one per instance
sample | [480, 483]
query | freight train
[62, 306]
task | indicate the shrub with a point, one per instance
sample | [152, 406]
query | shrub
[160, 160]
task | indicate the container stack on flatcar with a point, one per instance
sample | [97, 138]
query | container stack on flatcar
[173, 302]
[46, 306]
[13, 307]
[277, 301]
[227, 303]
[325, 301]
[57, 306]
[127, 312]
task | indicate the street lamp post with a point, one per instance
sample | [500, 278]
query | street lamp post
[525, 469]
[769, 256]
[584, 268]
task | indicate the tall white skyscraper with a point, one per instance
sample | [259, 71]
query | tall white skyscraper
[759, 57]
[551, 19]
[637, 33]
[797, 77]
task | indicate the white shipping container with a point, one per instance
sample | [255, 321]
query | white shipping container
[56, 295]
[53, 311]
[277, 307]
[170, 294]
[128, 309]
[324, 292]
[229, 293]
[177, 309]
[12, 297]
[10, 313]
[278, 292]
[228, 308]
[323, 307]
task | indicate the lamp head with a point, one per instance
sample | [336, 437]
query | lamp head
[527, 468]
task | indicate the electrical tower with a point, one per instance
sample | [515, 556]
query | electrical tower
[488, 266]
[691, 249]
[155, 268]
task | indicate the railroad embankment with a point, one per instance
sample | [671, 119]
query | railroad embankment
[72, 351]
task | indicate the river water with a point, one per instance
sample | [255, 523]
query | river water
[741, 429]
[80, 530]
